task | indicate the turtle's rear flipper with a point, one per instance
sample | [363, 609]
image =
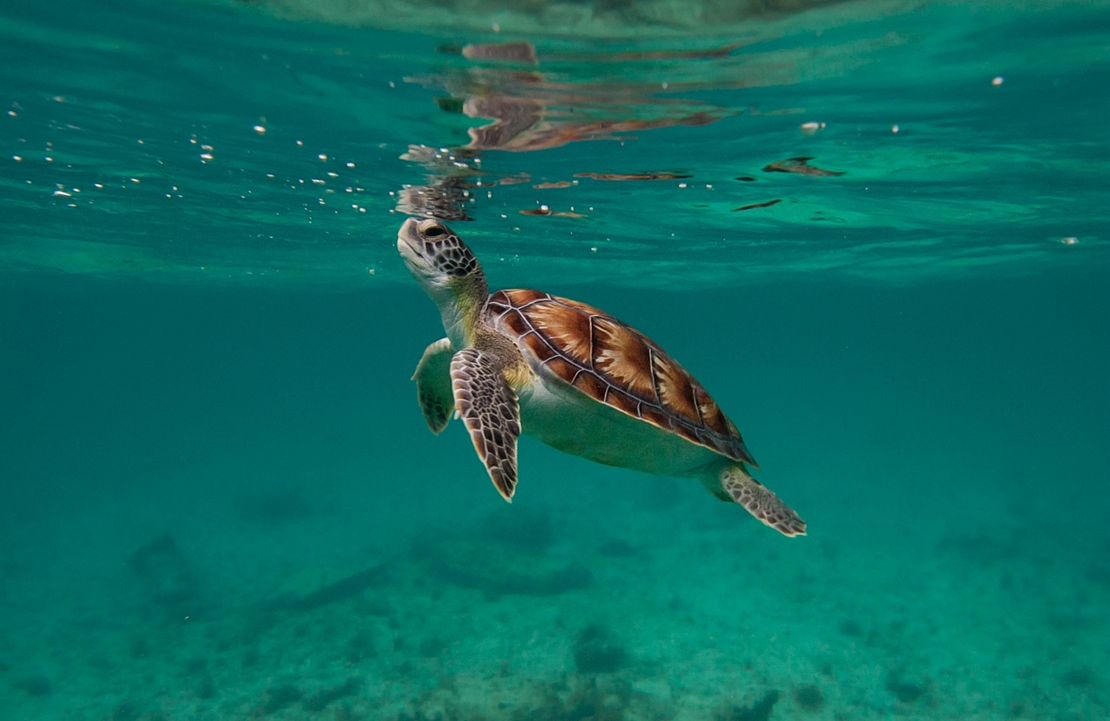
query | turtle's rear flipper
[489, 408]
[761, 502]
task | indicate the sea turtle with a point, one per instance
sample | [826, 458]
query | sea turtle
[573, 377]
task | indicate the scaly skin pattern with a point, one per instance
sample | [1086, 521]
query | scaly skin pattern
[761, 502]
[488, 407]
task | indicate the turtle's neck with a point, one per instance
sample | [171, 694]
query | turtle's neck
[461, 310]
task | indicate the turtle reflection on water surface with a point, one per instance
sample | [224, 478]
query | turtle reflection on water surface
[573, 377]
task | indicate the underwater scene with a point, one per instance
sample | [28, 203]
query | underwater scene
[876, 233]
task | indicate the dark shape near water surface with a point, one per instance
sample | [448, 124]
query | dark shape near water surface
[660, 175]
[801, 166]
[572, 376]
[515, 179]
[519, 52]
[753, 206]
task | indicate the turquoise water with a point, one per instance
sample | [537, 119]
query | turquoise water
[219, 500]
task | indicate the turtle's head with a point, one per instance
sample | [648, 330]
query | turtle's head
[434, 254]
[447, 270]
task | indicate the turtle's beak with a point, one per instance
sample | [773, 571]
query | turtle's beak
[409, 243]
[414, 250]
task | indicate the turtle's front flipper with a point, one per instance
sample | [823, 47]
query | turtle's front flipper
[761, 502]
[488, 407]
[433, 384]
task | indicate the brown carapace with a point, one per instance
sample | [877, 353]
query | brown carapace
[616, 365]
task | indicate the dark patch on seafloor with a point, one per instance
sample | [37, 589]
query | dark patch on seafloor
[273, 506]
[35, 685]
[503, 554]
[341, 590]
[759, 711]
[571, 698]
[598, 650]
[809, 697]
[284, 695]
[278, 697]
[617, 548]
[168, 579]
[328, 695]
[906, 691]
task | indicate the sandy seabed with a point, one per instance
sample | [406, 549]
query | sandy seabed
[648, 600]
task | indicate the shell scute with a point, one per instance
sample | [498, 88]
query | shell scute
[539, 348]
[567, 329]
[711, 415]
[562, 368]
[653, 415]
[622, 402]
[591, 385]
[515, 322]
[691, 434]
[497, 305]
[587, 309]
[621, 353]
[524, 297]
[676, 389]
[614, 364]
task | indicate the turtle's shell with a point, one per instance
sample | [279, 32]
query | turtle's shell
[614, 364]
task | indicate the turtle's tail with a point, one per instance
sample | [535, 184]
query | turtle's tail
[737, 486]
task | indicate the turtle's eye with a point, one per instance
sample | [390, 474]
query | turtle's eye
[434, 232]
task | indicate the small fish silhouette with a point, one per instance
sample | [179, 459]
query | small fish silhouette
[768, 204]
[801, 166]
